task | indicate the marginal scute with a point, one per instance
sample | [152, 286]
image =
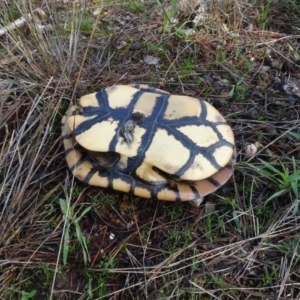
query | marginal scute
[120, 97]
[182, 106]
[82, 170]
[213, 115]
[96, 179]
[207, 137]
[226, 133]
[142, 192]
[89, 100]
[176, 147]
[146, 103]
[222, 155]
[73, 157]
[167, 195]
[74, 121]
[121, 185]
[186, 192]
[200, 166]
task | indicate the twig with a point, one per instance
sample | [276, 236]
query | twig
[39, 13]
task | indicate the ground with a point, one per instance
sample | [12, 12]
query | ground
[61, 239]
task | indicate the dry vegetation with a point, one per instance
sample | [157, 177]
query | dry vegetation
[60, 239]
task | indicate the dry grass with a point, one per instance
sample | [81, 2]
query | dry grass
[244, 58]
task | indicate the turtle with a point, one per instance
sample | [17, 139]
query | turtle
[145, 141]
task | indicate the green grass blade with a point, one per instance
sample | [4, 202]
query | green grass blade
[66, 245]
[277, 194]
[296, 135]
[82, 241]
[270, 167]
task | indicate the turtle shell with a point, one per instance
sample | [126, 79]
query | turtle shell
[142, 140]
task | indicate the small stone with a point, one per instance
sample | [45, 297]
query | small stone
[253, 114]
[210, 207]
[219, 102]
[250, 150]
[136, 46]
[271, 131]
[112, 236]
[121, 45]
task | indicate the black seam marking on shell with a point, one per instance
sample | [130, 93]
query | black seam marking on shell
[100, 113]
[152, 123]
[68, 151]
[149, 89]
[110, 175]
[104, 115]
[115, 175]
[215, 129]
[195, 191]
[214, 147]
[85, 157]
[132, 186]
[203, 112]
[220, 143]
[126, 116]
[90, 175]
[157, 121]
[103, 105]
[174, 188]
[102, 172]
[214, 182]
[88, 124]
[176, 191]
[79, 162]
[110, 180]
[102, 98]
[67, 136]
[187, 143]
[207, 152]
[185, 121]
[153, 193]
